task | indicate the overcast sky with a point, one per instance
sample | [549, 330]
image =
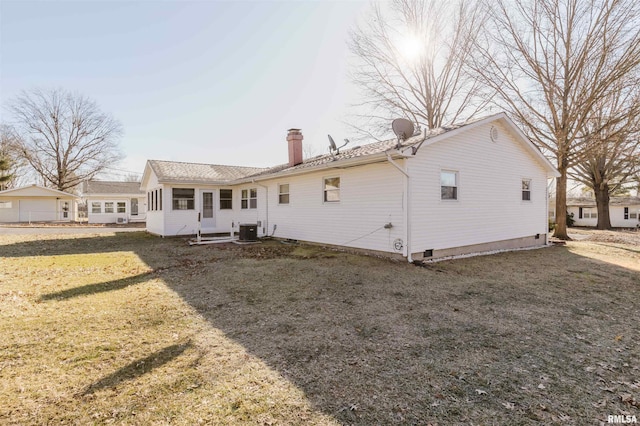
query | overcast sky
[196, 81]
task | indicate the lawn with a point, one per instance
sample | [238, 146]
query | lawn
[129, 328]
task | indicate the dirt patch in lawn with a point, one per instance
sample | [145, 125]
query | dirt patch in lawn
[137, 329]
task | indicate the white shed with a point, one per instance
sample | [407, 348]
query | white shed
[36, 203]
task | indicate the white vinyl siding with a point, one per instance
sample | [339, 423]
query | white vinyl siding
[489, 209]
[370, 197]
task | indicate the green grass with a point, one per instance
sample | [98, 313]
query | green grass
[134, 329]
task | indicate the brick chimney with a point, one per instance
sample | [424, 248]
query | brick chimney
[294, 139]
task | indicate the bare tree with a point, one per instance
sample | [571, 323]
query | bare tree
[132, 177]
[551, 63]
[64, 136]
[411, 63]
[613, 159]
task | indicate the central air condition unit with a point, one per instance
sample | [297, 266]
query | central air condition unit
[248, 232]
[121, 220]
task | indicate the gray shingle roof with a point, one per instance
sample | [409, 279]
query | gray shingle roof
[96, 187]
[173, 171]
[358, 151]
[613, 201]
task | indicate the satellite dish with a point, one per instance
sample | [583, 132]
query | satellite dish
[403, 128]
[332, 144]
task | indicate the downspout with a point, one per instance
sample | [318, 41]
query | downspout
[408, 204]
[267, 204]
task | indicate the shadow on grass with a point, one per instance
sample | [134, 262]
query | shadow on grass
[138, 368]
[120, 241]
[514, 338]
[96, 288]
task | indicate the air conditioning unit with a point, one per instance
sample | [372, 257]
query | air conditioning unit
[121, 220]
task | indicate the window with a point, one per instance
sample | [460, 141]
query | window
[134, 207]
[588, 213]
[122, 207]
[331, 190]
[526, 189]
[154, 200]
[96, 207]
[448, 185]
[226, 199]
[626, 212]
[108, 207]
[149, 201]
[207, 204]
[283, 193]
[160, 199]
[5, 204]
[249, 198]
[183, 199]
[633, 215]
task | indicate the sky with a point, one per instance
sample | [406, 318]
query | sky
[196, 81]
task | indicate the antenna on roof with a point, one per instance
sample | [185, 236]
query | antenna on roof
[403, 129]
[333, 149]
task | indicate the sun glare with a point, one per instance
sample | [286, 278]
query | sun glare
[411, 47]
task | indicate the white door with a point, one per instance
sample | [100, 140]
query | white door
[64, 210]
[208, 221]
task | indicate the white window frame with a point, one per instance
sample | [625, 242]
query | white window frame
[122, 204]
[189, 202]
[249, 198]
[326, 191]
[456, 187]
[282, 194]
[523, 191]
[111, 206]
[99, 205]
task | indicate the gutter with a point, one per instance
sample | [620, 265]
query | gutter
[408, 205]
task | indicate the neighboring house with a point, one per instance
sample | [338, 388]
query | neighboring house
[36, 203]
[472, 187]
[114, 202]
[624, 212]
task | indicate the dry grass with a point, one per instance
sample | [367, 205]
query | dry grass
[133, 329]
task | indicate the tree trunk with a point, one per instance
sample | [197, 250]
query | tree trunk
[561, 205]
[602, 203]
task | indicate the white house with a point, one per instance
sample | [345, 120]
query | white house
[36, 203]
[477, 186]
[114, 202]
[624, 212]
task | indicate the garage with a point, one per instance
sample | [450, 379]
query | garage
[37, 210]
[37, 203]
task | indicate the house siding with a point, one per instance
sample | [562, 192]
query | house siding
[489, 207]
[616, 216]
[370, 197]
[155, 218]
[113, 217]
